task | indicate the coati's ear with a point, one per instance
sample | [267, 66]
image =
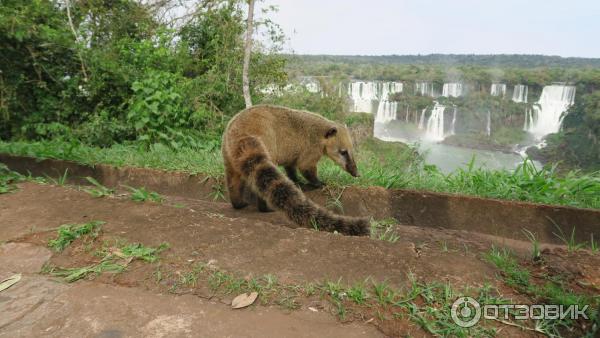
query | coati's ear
[331, 132]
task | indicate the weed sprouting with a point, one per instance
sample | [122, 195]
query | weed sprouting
[143, 195]
[60, 180]
[67, 233]
[570, 241]
[385, 230]
[535, 243]
[139, 251]
[99, 190]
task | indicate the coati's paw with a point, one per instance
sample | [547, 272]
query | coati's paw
[239, 205]
[263, 207]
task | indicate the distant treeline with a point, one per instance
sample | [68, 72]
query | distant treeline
[498, 60]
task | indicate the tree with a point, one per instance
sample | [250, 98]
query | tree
[247, 52]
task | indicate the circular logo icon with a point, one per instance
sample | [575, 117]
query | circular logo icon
[465, 311]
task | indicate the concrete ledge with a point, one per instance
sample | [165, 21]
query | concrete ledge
[425, 209]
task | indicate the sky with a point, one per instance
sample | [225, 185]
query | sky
[381, 27]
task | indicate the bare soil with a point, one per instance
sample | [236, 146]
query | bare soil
[243, 242]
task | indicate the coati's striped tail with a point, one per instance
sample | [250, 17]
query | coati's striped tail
[282, 194]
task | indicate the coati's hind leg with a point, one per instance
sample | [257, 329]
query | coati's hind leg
[311, 176]
[235, 187]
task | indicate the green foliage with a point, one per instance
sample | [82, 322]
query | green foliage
[99, 190]
[139, 251]
[7, 179]
[123, 75]
[143, 195]
[67, 233]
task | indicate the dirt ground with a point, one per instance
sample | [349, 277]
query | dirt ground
[242, 242]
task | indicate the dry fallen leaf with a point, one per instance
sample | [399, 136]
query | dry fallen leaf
[244, 300]
[10, 281]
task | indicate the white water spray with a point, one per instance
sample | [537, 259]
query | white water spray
[365, 94]
[435, 123]
[452, 127]
[386, 111]
[488, 127]
[548, 113]
[498, 89]
[520, 93]
[424, 89]
[452, 89]
[422, 119]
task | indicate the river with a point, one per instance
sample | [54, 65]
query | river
[449, 158]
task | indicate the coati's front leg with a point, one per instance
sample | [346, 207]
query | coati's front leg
[235, 187]
[290, 170]
[311, 176]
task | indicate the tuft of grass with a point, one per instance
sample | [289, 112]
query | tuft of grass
[99, 190]
[536, 253]
[334, 201]
[61, 180]
[593, 244]
[385, 230]
[74, 274]
[570, 241]
[358, 293]
[143, 195]
[218, 191]
[67, 233]
[139, 251]
[8, 178]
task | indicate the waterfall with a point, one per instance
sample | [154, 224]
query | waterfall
[498, 89]
[452, 90]
[452, 130]
[386, 111]
[407, 113]
[488, 127]
[422, 119]
[520, 93]
[365, 94]
[548, 114]
[424, 89]
[435, 124]
[528, 119]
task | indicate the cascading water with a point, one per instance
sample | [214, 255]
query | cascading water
[435, 124]
[452, 89]
[365, 95]
[520, 93]
[422, 119]
[424, 89]
[548, 113]
[488, 126]
[452, 127]
[386, 111]
[498, 89]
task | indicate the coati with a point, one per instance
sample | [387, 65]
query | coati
[259, 138]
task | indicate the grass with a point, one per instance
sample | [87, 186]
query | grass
[61, 180]
[382, 164]
[139, 251]
[536, 253]
[570, 241]
[113, 261]
[385, 230]
[67, 233]
[98, 190]
[551, 291]
[8, 179]
[143, 195]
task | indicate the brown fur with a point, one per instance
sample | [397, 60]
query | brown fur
[260, 138]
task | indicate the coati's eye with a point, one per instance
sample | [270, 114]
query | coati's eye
[344, 152]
